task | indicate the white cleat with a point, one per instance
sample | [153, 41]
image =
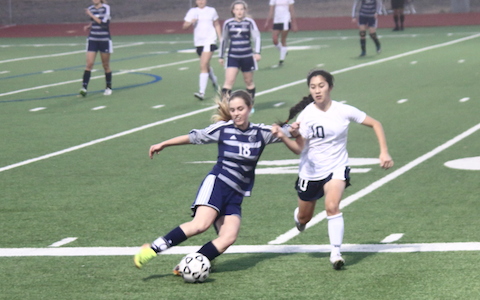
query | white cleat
[108, 92]
[337, 261]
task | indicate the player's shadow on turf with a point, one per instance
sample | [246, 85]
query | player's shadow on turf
[242, 263]
[156, 276]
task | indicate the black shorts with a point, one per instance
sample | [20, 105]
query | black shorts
[99, 46]
[311, 190]
[398, 4]
[200, 49]
[282, 26]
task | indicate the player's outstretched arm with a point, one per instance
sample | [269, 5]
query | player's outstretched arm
[179, 140]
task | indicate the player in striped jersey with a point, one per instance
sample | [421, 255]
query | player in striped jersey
[237, 34]
[367, 11]
[98, 40]
[220, 195]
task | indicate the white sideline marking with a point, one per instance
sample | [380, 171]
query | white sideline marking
[464, 99]
[214, 106]
[392, 238]
[63, 242]
[99, 107]
[377, 184]
[37, 109]
[127, 251]
[402, 101]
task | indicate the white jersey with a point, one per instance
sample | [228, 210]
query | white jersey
[204, 33]
[282, 10]
[325, 135]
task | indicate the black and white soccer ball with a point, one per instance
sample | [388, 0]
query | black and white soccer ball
[194, 268]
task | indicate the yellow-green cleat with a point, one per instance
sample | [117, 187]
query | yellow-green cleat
[145, 254]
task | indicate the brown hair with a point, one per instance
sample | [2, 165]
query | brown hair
[223, 109]
[245, 5]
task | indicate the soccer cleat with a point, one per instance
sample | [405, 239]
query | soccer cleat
[363, 54]
[280, 63]
[145, 254]
[300, 226]
[108, 92]
[199, 96]
[83, 92]
[337, 261]
[379, 50]
[176, 271]
[396, 29]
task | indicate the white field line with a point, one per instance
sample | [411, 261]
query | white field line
[60, 54]
[214, 106]
[377, 184]
[346, 248]
[102, 76]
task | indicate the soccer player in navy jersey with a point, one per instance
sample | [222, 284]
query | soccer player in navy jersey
[237, 34]
[321, 141]
[98, 40]
[220, 195]
[368, 11]
[398, 15]
[284, 19]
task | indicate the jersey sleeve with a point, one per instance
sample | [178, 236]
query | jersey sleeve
[190, 15]
[224, 40]
[354, 114]
[208, 135]
[257, 40]
[268, 136]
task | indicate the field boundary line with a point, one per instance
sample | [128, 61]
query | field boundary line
[9, 167]
[357, 248]
[377, 184]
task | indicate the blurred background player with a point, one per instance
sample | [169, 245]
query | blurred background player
[284, 19]
[321, 141]
[398, 15]
[367, 11]
[204, 19]
[98, 40]
[237, 34]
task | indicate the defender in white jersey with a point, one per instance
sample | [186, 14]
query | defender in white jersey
[204, 20]
[284, 19]
[98, 40]
[321, 140]
[219, 197]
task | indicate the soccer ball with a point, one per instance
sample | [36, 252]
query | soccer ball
[194, 267]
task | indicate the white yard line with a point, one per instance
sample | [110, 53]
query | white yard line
[127, 251]
[213, 107]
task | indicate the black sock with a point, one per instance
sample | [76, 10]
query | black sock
[108, 79]
[252, 93]
[209, 250]
[86, 78]
[175, 237]
[375, 39]
[362, 45]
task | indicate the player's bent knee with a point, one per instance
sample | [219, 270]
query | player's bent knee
[363, 33]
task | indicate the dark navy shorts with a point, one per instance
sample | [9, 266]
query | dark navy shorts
[311, 190]
[200, 49]
[368, 21]
[218, 195]
[282, 26]
[398, 4]
[247, 64]
[99, 46]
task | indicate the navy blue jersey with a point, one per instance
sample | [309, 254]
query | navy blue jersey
[238, 151]
[367, 8]
[100, 32]
[238, 36]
